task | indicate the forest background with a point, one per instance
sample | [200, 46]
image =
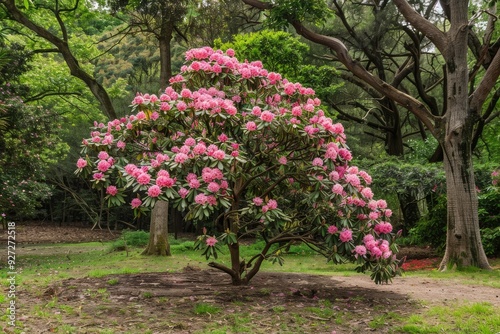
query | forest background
[65, 64]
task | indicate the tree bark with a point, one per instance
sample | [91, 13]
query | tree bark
[463, 240]
[158, 231]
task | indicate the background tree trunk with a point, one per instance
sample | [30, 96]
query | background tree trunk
[158, 231]
[463, 240]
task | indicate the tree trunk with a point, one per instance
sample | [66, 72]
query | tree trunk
[165, 53]
[158, 231]
[463, 240]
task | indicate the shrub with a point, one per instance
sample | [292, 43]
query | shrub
[131, 239]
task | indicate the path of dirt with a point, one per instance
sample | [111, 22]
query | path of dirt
[161, 303]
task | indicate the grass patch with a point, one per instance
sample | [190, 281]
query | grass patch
[205, 308]
[480, 318]
[130, 239]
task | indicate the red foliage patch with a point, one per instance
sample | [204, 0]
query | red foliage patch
[420, 264]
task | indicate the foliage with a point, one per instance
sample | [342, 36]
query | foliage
[285, 11]
[279, 51]
[233, 139]
[394, 176]
[431, 229]
[491, 241]
[131, 239]
[28, 147]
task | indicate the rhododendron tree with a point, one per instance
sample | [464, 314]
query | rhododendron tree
[232, 142]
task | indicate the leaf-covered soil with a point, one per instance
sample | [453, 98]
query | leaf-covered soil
[199, 300]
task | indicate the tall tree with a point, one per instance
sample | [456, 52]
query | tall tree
[462, 106]
[156, 18]
[59, 38]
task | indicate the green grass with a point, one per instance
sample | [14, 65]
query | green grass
[205, 308]
[478, 318]
[94, 260]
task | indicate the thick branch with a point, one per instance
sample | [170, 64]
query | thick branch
[63, 47]
[426, 27]
[407, 101]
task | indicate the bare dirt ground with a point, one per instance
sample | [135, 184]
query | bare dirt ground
[272, 303]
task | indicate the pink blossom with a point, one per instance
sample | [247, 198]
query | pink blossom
[338, 189]
[98, 176]
[388, 213]
[345, 235]
[256, 111]
[366, 177]
[332, 229]
[136, 202]
[180, 158]
[383, 228]
[190, 142]
[334, 176]
[352, 179]
[317, 162]
[103, 155]
[81, 163]
[257, 201]
[219, 155]
[194, 184]
[222, 137]
[345, 154]
[368, 238]
[200, 148]
[164, 106]
[297, 111]
[186, 93]
[360, 250]
[141, 115]
[213, 187]
[373, 215]
[251, 126]
[382, 204]
[265, 208]
[211, 241]
[267, 116]
[154, 191]
[211, 200]
[272, 204]
[367, 193]
[372, 205]
[282, 160]
[111, 190]
[201, 199]
[121, 145]
[181, 106]
[376, 252]
[183, 192]
[164, 181]
[143, 178]
[103, 165]
[154, 115]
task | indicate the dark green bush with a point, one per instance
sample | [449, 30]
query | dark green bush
[131, 239]
[431, 229]
[491, 241]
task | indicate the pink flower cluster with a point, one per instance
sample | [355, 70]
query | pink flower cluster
[377, 248]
